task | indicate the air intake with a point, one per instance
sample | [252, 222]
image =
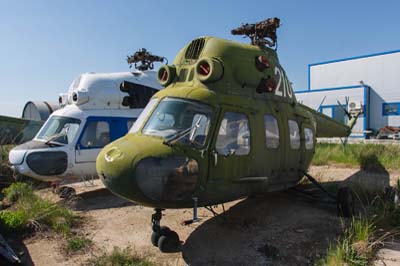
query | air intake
[194, 49]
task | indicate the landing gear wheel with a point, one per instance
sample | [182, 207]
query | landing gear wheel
[155, 236]
[169, 242]
[66, 192]
[163, 237]
[391, 195]
[345, 202]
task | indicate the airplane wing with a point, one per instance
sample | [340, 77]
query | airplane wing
[16, 130]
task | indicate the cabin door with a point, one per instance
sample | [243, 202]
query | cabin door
[230, 152]
[293, 149]
[307, 145]
[97, 133]
[275, 146]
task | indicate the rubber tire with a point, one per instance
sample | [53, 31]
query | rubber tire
[391, 195]
[169, 242]
[66, 192]
[345, 202]
[155, 236]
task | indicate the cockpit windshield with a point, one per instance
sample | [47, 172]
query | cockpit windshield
[59, 129]
[178, 119]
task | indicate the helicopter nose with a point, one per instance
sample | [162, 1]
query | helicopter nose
[40, 164]
[16, 157]
[114, 168]
[149, 179]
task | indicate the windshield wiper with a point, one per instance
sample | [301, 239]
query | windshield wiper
[55, 136]
[181, 134]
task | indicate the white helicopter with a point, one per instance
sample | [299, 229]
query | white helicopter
[98, 109]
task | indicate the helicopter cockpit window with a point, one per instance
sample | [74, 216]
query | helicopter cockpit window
[96, 135]
[271, 131]
[294, 134]
[234, 135]
[59, 129]
[183, 120]
[143, 115]
[309, 136]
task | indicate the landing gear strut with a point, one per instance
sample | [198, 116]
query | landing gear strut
[344, 200]
[163, 237]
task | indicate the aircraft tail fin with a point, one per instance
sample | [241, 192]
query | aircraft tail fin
[328, 127]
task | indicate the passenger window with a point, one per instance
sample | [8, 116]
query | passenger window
[309, 135]
[234, 135]
[271, 131]
[96, 135]
[294, 134]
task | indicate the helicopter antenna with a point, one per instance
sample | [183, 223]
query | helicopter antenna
[261, 33]
[144, 60]
[323, 100]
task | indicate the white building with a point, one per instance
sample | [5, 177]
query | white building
[370, 80]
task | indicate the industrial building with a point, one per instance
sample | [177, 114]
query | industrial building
[371, 82]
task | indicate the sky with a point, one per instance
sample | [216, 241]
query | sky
[44, 45]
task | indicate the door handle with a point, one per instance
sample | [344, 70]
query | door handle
[215, 158]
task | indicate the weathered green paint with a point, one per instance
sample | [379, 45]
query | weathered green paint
[224, 178]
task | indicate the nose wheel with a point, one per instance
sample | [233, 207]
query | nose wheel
[163, 237]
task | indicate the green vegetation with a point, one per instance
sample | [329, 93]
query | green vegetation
[77, 243]
[30, 212]
[18, 191]
[355, 247]
[12, 221]
[118, 257]
[4, 152]
[5, 169]
[359, 155]
[380, 220]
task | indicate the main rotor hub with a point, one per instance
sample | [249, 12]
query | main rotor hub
[261, 33]
[144, 60]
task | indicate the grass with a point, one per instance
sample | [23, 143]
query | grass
[30, 212]
[359, 155]
[357, 245]
[77, 243]
[366, 233]
[4, 152]
[119, 257]
[18, 191]
[5, 169]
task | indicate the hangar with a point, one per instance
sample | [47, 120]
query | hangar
[370, 81]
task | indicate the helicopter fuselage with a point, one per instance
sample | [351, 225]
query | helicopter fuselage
[67, 145]
[227, 126]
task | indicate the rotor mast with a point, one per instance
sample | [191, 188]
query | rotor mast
[262, 33]
[144, 60]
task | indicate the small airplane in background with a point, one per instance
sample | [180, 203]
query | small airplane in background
[98, 108]
[226, 126]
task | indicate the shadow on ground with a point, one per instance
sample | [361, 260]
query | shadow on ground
[372, 174]
[286, 228]
[98, 199]
[20, 249]
[277, 229]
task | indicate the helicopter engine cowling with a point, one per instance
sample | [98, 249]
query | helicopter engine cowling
[166, 74]
[209, 69]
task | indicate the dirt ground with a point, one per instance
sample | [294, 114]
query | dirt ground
[285, 228]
